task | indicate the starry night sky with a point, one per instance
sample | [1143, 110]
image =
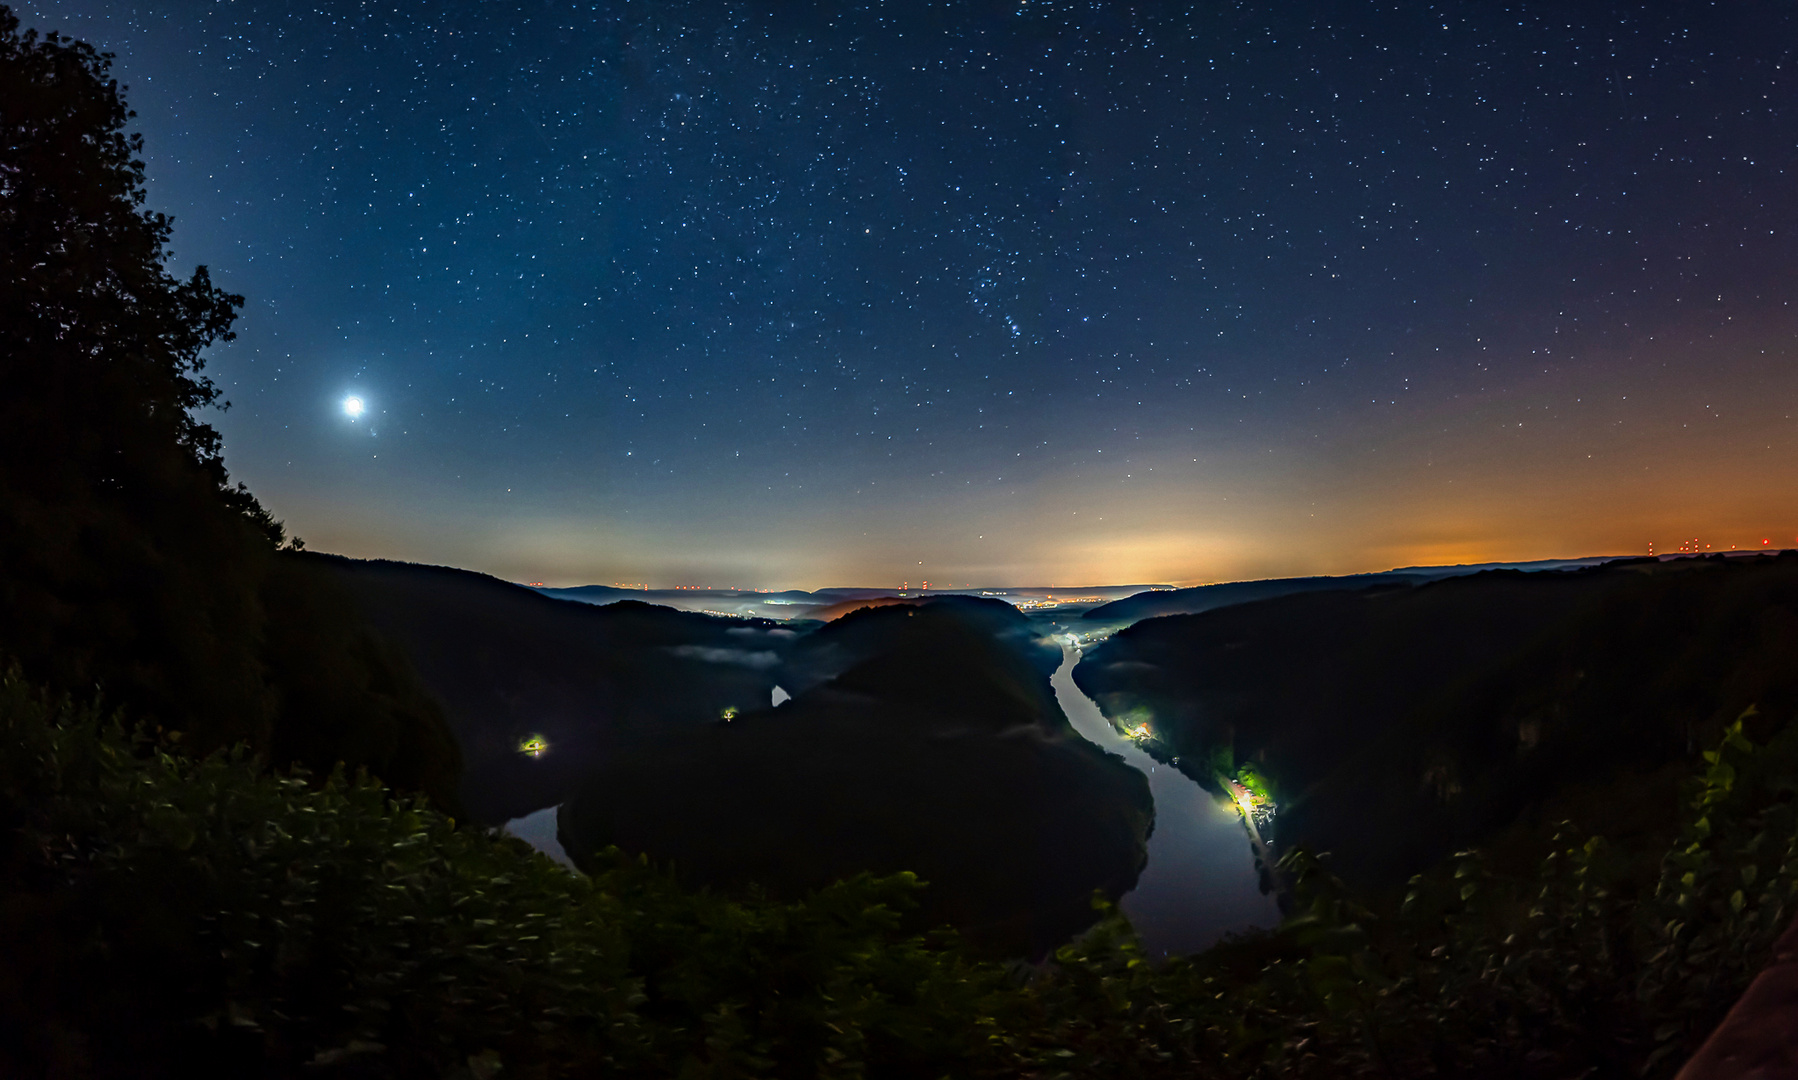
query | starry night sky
[804, 294]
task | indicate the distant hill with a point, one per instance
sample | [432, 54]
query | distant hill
[590, 594]
[836, 595]
[827, 604]
[844, 607]
[792, 603]
[508, 663]
[922, 738]
[889, 635]
[1148, 605]
[1398, 724]
[606, 594]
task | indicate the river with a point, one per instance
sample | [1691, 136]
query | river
[1201, 881]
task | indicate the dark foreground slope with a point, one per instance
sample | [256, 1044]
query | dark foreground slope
[1399, 724]
[939, 750]
[509, 664]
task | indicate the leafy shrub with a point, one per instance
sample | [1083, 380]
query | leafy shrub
[206, 913]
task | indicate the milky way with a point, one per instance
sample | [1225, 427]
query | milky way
[837, 294]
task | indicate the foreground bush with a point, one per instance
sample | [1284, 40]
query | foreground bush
[164, 916]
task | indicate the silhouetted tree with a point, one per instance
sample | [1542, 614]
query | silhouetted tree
[125, 558]
[128, 560]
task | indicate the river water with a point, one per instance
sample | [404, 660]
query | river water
[1201, 881]
[539, 831]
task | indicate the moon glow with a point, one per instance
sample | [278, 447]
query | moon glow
[354, 407]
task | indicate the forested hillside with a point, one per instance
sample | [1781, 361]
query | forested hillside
[1396, 724]
[921, 738]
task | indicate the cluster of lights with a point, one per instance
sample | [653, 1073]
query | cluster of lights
[534, 746]
[1695, 545]
[1257, 810]
[1050, 601]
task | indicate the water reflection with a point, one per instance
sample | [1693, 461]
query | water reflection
[1201, 881]
[539, 831]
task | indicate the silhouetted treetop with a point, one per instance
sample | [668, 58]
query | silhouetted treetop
[91, 320]
[128, 562]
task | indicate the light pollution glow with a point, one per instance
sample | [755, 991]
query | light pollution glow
[1570, 469]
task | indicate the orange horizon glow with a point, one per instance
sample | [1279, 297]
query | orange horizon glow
[1622, 456]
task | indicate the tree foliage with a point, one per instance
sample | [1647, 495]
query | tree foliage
[128, 560]
[126, 557]
[168, 915]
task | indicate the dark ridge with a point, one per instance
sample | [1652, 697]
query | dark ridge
[868, 632]
[1201, 598]
[939, 750]
[1149, 605]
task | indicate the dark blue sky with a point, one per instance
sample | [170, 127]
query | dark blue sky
[805, 294]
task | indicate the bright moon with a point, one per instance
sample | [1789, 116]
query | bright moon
[353, 407]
